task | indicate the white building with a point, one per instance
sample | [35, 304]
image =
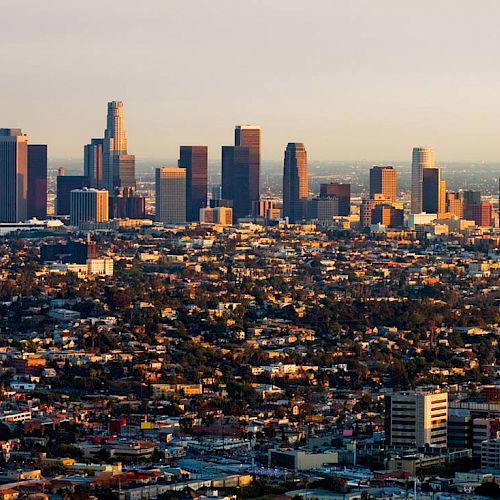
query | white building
[416, 419]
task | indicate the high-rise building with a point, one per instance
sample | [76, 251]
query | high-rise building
[416, 419]
[37, 181]
[118, 167]
[92, 163]
[342, 191]
[295, 182]
[241, 170]
[431, 189]
[13, 175]
[421, 158]
[454, 204]
[195, 160]
[170, 196]
[480, 213]
[66, 184]
[471, 197]
[88, 205]
[383, 180]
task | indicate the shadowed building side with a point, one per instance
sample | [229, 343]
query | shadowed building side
[195, 160]
[295, 182]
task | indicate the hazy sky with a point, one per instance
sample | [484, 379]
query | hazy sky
[352, 79]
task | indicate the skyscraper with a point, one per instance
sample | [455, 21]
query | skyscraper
[170, 196]
[341, 191]
[431, 189]
[37, 181]
[66, 184]
[13, 175]
[195, 160]
[454, 204]
[241, 169]
[421, 158]
[118, 167]
[383, 180]
[295, 182]
[88, 205]
[92, 162]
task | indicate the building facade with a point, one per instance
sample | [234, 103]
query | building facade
[414, 419]
[241, 170]
[383, 180]
[66, 184]
[37, 181]
[421, 158]
[88, 205]
[431, 190]
[195, 160]
[295, 182]
[342, 191]
[118, 167]
[170, 195]
[13, 175]
[92, 163]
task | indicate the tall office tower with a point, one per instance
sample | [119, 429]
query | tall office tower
[37, 181]
[470, 198]
[295, 182]
[248, 136]
[431, 189]
[13, 175]
[118, 167]
[66, 184]
[235, 179]
[241, 170]
[92, 162]
[480, 213]
[88, 205]
[383, 180]
[421, 158]
[416, 419]
[341, 191]
[454, 204]
[170, 196]
[195, 160]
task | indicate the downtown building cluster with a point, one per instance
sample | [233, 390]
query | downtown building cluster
[107, 190]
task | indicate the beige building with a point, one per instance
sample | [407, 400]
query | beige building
[421, 158]
[301, 459]
[13, 175]
[88, 205]
[170, 195]
[416, 419]
[218, 215]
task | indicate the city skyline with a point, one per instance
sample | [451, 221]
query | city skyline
[363, 74]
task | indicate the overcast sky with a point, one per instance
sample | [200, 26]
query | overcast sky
[352, 79]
